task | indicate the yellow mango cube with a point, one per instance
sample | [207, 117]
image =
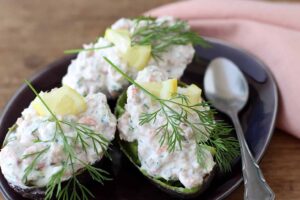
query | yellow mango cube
[138, 56]
[153, 87]
[169, 88]
[61, 101]
[120, 38]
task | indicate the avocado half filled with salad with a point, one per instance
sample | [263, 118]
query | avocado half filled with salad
[132, 44]
[60, 135]
[169, 133]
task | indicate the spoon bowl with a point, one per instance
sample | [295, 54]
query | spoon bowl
[226, 94]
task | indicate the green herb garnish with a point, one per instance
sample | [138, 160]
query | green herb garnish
[161, 36]
[33, 164]
[73, 51]
[208, 132]
[73, 189]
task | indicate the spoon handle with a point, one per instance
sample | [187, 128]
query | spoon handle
[256, 187]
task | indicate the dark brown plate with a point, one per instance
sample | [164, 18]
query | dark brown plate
[257, 118]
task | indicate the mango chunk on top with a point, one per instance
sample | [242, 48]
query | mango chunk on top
[167, 89]
[136, 56]
[61, 101]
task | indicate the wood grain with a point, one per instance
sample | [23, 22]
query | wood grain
[34, 33]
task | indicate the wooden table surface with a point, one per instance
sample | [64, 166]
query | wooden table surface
[34, 33]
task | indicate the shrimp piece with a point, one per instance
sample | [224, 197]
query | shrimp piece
[88, 121]
[41, 165]
[162, 149]
[134, 91]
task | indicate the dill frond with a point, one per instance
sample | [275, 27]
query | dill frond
[162, 36]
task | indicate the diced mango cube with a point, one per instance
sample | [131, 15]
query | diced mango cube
[138, 56]
[61, 101]
[169, 88]
[194, 94]
[120, 38]
[153, 87]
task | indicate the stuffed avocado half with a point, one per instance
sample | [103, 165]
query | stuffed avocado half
[164, 137]
[132, 44]
[59, 135]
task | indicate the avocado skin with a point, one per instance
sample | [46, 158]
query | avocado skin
[130, 150]
[30, 193]
[38, 193]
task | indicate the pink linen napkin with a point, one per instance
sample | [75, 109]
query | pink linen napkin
[270, 31]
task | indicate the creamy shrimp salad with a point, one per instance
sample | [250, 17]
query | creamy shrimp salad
[89, 73]
[155, 159]
[33, 133]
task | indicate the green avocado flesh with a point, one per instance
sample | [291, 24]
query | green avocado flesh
[130, 149]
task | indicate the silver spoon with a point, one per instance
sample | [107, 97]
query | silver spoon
[226, 88]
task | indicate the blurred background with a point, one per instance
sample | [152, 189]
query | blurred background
[34, 33]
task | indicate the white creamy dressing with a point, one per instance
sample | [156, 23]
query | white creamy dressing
[32, 128]
[156, 160]
[89, 73]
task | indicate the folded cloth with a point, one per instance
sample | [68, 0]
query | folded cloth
[269, 30]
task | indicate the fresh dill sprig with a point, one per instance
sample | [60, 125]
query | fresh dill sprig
[33, 164]
[208, 132]
[73, 51]
[227, 147]
[84, 131]
[73, 189]
[161, 36]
